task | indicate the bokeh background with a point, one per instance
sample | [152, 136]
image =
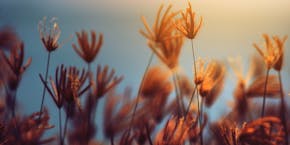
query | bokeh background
[229, 30]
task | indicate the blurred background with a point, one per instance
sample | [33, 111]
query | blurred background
[229, 30]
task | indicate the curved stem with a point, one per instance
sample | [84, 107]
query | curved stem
[139, 91]
[264, 96]
[44, 90]
[283, 109]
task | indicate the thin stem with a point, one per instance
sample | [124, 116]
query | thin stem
[264, 96]
[177, 95]
[200, 122]
[90, 97]
[190, 101]
[60, 128]
[283, 108]
[139, 91]
[65, 129]
[193, 56]
[44, 90]
[179, 92]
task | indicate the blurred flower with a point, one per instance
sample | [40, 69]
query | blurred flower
[273, 52]
[266, 130]
[8, 38]
[168, 51]
[15, 63]
[49, 33]
[280, 44]
[162, 27]
[88, 50]
[187, 25]
[105, 81]
[210, 80]
[69, 85]
[156, 82]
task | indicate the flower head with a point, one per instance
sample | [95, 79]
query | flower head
[105, 81]
[187, 25]
[210, 80]
[15, 63]
[162, 28]
[273, 51]
[280, 45]
[88, 50]
[169, 50]
[68, 85]
[49, 33]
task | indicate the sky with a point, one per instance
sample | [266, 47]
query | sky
[229, 30]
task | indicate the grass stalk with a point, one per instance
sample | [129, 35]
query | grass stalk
[44, 90]
[283, 109]
[60, 126]
[264, 96]
[139, 91]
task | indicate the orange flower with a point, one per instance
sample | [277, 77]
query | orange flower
[273, 52]
[280, 44]
[49, 33]
[187, 25]
[168, 51]
[88, 51]
[162, 28]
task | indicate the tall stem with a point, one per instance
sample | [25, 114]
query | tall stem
[60, 128]
[44, 90]
[90, 97]
[264, 96]
[200, 121]
[65, 129]
[197, 93]
[283, 108]
[178, 100]
[139, 91]
[190, 101]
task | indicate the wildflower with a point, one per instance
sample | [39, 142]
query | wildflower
[175, 132]
[162, 28]
[8, 38]
[49, 33]
[210, 80]
[105, 81]
[169, 50]
[15, 63]
[280, 45]
[68, 86]
[88, 50]
[156, 83]
[187, 26]
[272, 53]
[266, 130]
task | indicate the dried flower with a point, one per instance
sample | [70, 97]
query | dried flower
[88, 50]
[68, 86]
[156, 82]
[105, 81]
[8, 38]
[15, 63]
[256, 89]
[187, 26]
[49, 33]
[168, 51]
[175, 132]
[280, 45]
[210, 80]
[267, 130]
[162, 28]
[272, 53]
